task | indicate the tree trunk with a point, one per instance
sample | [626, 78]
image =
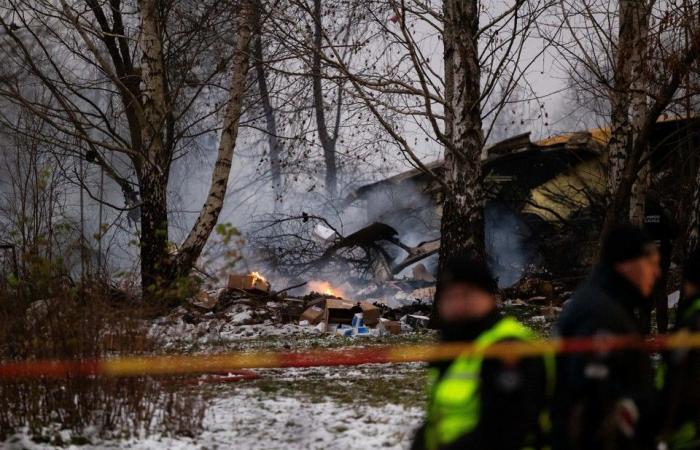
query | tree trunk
[620, 136]
[662, 99]
[154, 159]
[628, 114]
[209, 215]
[155, 261]
[327, 142]
[154, 91]
[639, 107]
[462, 227]
[639, 194]
[268, 111]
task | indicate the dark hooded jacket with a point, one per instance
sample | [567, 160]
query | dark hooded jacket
[590, 386]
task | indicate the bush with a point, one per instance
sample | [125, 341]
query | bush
[83, 322]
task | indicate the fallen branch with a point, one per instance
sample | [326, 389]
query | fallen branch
[291, 287]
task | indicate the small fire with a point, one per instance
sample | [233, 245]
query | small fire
[324, 287]
[257, 277]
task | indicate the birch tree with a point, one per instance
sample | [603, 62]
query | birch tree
[167, 72]
[629, 100]
[425, 72]
[635, 54]
[670, 58]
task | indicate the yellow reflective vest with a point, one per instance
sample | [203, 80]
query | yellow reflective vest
[685, 436]
[454, 401]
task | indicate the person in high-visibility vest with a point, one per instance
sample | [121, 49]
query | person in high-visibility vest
[474, 402]
[678, 377]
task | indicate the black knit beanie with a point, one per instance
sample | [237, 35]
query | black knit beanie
[467, 268]
[626, 242]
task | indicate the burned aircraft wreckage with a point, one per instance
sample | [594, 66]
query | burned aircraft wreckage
[543, 206]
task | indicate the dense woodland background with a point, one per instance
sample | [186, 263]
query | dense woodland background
[159, 138]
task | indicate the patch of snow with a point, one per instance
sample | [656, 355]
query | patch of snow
[249, 420]
[241, 318]
[176, 332]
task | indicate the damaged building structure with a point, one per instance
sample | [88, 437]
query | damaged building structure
[544, 200]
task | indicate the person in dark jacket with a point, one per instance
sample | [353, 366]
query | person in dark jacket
[603, 400]
[679, 374]
[475, 402]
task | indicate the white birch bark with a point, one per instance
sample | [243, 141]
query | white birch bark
[154, 89]
[153, 159]
[209, 215]
[462, 219]
[639, 106]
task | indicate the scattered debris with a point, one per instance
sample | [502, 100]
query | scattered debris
[514, 303]
[424, 294]
[325, 234]
[417, 307]
[539, 289]
[249, 282]
[537, 300]
[417, 321]
[342, 311]
[248, 307]
[206, 300]
[389, 327]
[313, 315]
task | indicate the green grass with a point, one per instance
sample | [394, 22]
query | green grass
[373, 385]
[370, 384]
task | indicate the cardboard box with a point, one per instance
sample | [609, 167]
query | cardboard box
[248, 283]
[393, 327]
[342, 311]
[387, 327]
[313, 315]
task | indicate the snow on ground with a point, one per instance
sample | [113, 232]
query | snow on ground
[362, 407]
[250, 418]
[237, 324]
[240, 328]
[218, 332]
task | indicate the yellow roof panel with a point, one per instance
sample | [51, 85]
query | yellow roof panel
[600, 135]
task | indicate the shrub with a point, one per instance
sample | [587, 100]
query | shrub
[80, 323]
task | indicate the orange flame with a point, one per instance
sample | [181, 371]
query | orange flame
[324, 287]
[257, 277]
